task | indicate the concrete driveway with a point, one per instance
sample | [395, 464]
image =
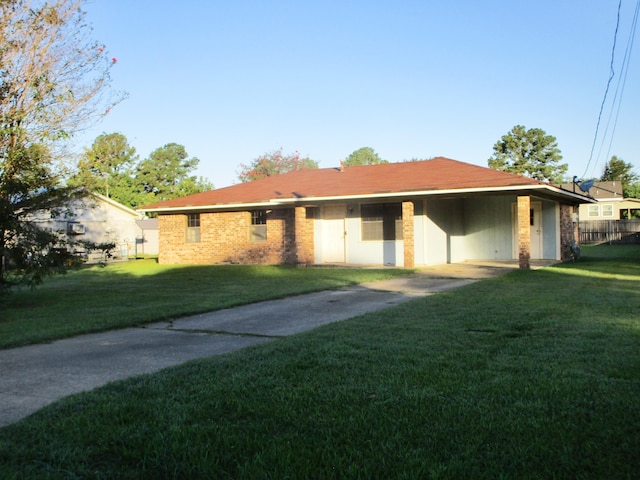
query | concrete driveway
[37, 375]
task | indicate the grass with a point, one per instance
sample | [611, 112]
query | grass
[530, 375]
[137, 292]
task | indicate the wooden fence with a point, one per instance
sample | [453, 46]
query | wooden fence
[609, 231]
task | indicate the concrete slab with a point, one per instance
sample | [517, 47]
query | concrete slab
[292, 315]
[37, 375]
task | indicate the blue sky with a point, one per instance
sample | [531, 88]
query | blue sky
[231, 80]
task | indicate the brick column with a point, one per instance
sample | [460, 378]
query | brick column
[408, 234]
[303, 237]
[569, 232]
[524, 232]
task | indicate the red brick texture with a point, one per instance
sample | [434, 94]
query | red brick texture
[569, 231]
[408, 234]
[524, 232]
[303, 238]
[225, 237]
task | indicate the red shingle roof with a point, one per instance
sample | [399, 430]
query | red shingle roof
[436, 174]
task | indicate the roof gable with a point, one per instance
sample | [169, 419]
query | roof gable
[601, 190]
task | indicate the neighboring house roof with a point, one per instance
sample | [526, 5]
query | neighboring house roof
[118, 205]
[601, 191]
[427, 177]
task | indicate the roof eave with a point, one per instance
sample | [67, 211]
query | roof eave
[458, 191]
[555, 191]
[195, 208]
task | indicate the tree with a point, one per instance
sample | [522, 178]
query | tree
[618, 170]
[53, 82]
[633, 190]
[363, 156]
[531, 153]
[112, 168]
[274, 163]
[108, 168]
[165, 174]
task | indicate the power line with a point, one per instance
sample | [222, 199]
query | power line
[611, 75]
[625, 68]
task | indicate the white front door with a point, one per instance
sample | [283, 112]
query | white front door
[333, 233]
[536, 230]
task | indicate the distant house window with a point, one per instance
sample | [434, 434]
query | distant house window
[259, 226]
[594, 211]
[607, 210]
[193, 228]
[381, 222]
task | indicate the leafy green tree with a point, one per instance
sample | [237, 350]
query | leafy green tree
[531, 153]
[363, 156]
[617, 169]
[53, 82]
[633, 190]
[165, 174]
[107, 168]
[274, 163]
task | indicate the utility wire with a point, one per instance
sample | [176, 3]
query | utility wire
[611, 75]
[625, 68]
[617, 101]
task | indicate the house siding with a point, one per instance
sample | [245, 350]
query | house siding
[102, 221]
[479, 228]
[489, 228]
[442, 234]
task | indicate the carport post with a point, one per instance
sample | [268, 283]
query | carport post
[524, 231]
[408, 234]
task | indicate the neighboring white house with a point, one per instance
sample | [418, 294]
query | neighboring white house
[610, 202]
[148, 241]
[99, 219]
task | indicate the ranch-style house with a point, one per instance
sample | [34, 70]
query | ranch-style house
[400, 214]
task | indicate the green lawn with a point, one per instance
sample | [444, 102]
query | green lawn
[136, 292]
[535, 374]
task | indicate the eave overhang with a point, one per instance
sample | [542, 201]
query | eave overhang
[545, 191]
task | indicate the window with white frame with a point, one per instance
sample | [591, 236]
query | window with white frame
[258, 232]
[193, 228]
[593, 211]
[607, 210]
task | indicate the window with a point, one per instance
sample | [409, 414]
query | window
[607, 210]
[193, 228]
[258, 226]
[594, 211]
[381, 222]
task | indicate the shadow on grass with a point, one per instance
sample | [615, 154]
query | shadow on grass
[134, 293]
[533, 374]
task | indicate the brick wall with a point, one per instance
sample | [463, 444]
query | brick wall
[524, 232]
[569, 231]
[225, 238]
[408, 234]
[304, 243]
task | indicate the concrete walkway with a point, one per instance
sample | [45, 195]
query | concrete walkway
[37, 375]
